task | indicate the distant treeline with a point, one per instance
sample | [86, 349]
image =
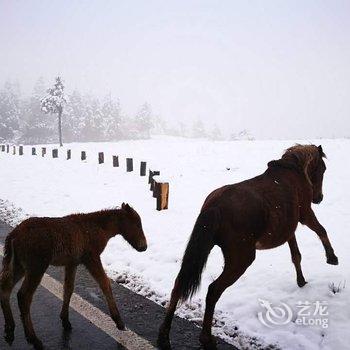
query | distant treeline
[85, 118]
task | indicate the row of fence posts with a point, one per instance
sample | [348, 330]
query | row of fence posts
[160, 190]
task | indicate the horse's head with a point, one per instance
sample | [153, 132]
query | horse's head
[310, 160]
[130, 227]
[316, 173]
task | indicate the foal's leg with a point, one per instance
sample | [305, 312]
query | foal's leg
[311, 222]
[236, 262]
[296, 258]
[7, 282]
[95, 268]
[31, 281]
[163, 341]
[69, 278]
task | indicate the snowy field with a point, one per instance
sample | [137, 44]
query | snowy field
[56, 187]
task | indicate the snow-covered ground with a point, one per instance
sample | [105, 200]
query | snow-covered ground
[55, 187]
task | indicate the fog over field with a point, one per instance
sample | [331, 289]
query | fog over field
[277, 69]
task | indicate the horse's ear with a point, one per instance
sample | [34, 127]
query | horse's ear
[320, 150]
[126, 206]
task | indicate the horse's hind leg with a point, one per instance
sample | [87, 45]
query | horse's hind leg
[69, 278]
[31, 281]
[237, 260]
[296, 258]
[163, 341]
[8, 280]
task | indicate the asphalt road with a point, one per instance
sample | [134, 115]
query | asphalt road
[141, 315]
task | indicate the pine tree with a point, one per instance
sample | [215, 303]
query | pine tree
[198, 129]
[53, 103]
[9, 112]
[143, 121]
[37, 128]
[111, 119]
[75, 118]
[93, 126]
[216, 133]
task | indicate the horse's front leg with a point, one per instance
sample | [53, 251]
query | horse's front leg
[94, 266]
[69, 279]
[312, 223]
[296, 258]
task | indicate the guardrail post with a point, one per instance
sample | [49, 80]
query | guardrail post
[115, 161]
[69, 154]
[83, 155]
[43, 151]
[153, 173]
[162, 195]
[55, 153]
[101, 158]
[129, 165]
[33, 151]
[143, 168]
[7, 148]
[20, 150]
[14, 150]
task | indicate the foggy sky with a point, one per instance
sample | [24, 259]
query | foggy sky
[278, 68]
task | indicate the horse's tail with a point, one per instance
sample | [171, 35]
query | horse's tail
[8, 260]
[196, 254]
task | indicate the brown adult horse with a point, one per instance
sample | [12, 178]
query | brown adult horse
[260, 213]
[68, 241]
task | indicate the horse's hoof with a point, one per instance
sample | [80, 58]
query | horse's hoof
[163, 343]
[121, 326]
[9, 334]
[9, 337]
[301, 283]
[67, 326]
[208, 342]
[37, 344]
[332, 260]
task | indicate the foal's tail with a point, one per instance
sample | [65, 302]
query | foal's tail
[8, 261]
[196, 254]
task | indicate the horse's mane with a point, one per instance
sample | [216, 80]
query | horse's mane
[299, 157]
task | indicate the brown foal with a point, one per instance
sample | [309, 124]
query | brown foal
[68, 241]
[260, 213]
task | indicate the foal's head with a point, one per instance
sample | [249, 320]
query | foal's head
[310, 159]
[130, 227]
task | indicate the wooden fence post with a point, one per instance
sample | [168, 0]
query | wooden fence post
[33, 151]
[55, 153]
[153, 173]
[129, 165]
[14, 150]
[143, 169]
[101, 158]
[83, 155]
[69, 154]
[115, 161]
[20, 150]
[43, 151]
[150, 175]
[162, 195]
